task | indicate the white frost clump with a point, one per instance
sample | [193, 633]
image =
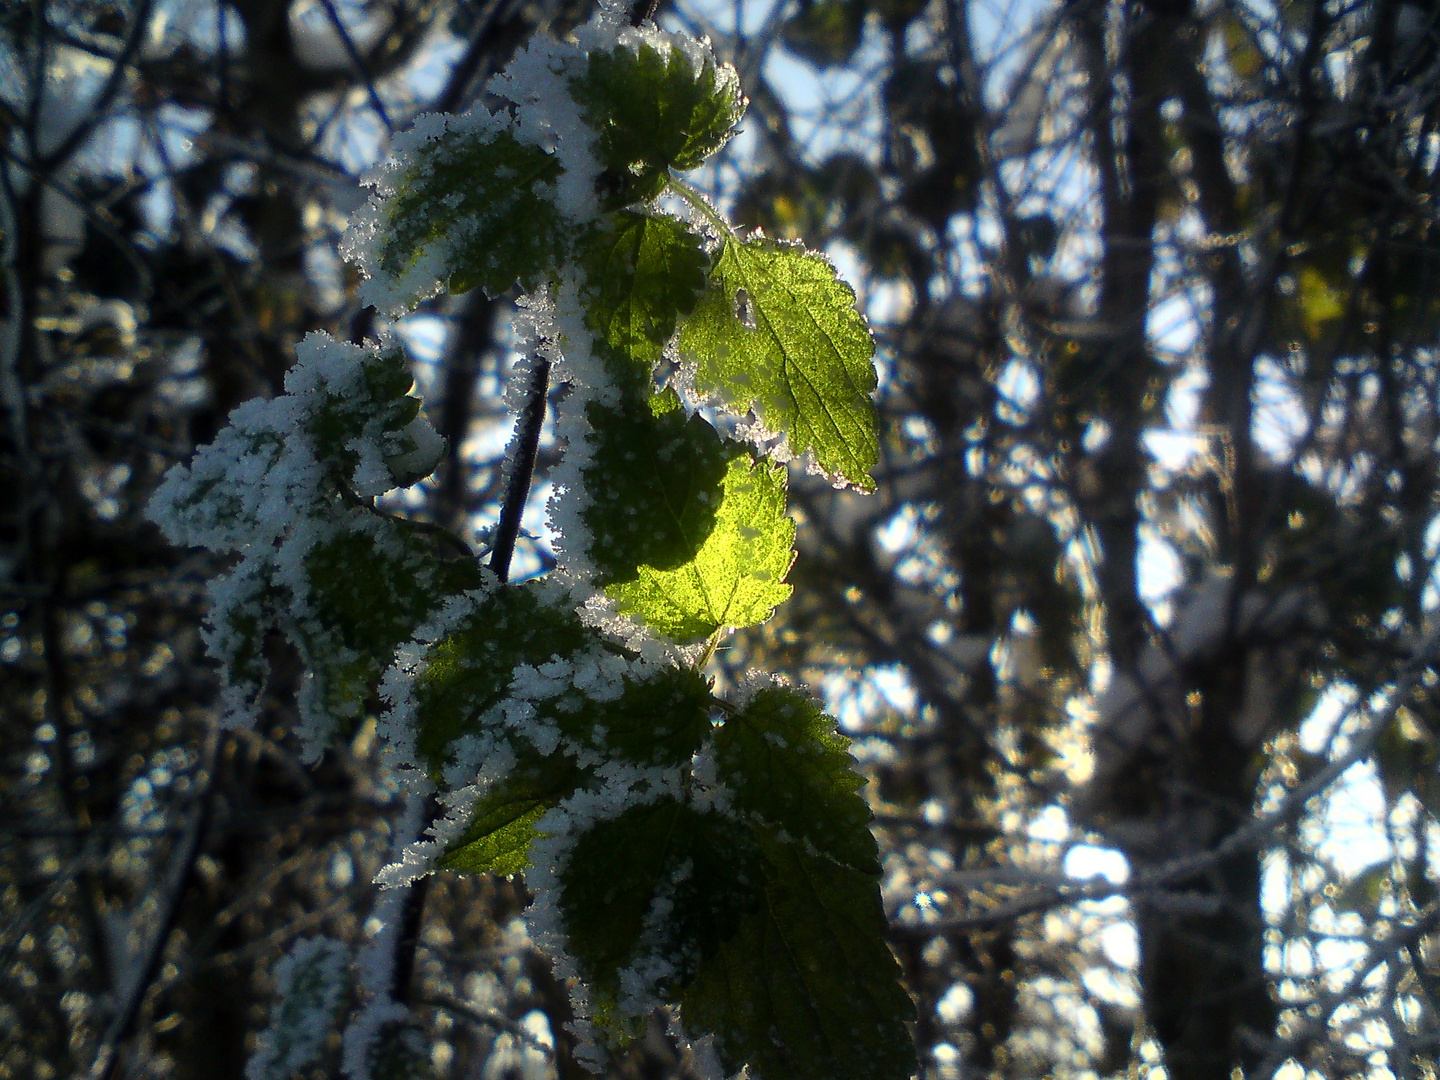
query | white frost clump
[261, 474]
[363, 242]
[270, 489]
[537, 81]
[310, 984]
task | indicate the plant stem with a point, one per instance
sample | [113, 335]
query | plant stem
[517, 494]
[527, 448]
[702, 204]
[643, 11]
[710, 646]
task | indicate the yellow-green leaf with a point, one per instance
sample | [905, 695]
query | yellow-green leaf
[778, 334]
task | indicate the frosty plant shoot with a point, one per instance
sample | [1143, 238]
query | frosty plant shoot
[713, 856]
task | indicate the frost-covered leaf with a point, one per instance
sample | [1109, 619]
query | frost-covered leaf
[472, 668]
[653, 484]
[656, 721]
[279, 487]
[498, 838]
[647, 896]
[384, 1041]
[778, 333]
[806, 988]
[312, 983]
[232, 494]
[365, 591]
[736, 576]
[400, 1052]
[786, 765]
[362, 423]
[642, 273]
[344, 424]
[472, 207]
[241, 612]
[655, 111]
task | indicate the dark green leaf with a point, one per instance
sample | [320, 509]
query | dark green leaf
[642, 273]
[370, 586]
[654, 481]
[785, 764]
[470, 669]
[662, 883]
[655, 112]
[807, 989]
[499, 226]
[778, 333]
[659, 721]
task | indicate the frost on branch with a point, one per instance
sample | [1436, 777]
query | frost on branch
[312, 983]
[682, 850]
[283, 488]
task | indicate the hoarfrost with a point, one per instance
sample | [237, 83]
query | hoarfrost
[310, 983]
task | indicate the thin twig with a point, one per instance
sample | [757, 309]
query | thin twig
[643, 11]
[517, 494]
[1250, 836]
[147, 967]
[139, 24]
[527, 448]
[361, 68]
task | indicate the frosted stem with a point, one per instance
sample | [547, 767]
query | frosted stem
[643, 11]
[517, 494]
[527, 447]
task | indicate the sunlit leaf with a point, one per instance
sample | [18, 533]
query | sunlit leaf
[642, 274]
[778, 333]
[736, 576]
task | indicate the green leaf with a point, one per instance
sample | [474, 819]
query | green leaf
[778, 333]
[498, 838]
[655, 112]
[735, 578]
[642, 273]
[656, 890]
[370, 586]
[477, 208]
[785, 764]
[806, 989]
[471, 668]
[655, 481]
[659, 721]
